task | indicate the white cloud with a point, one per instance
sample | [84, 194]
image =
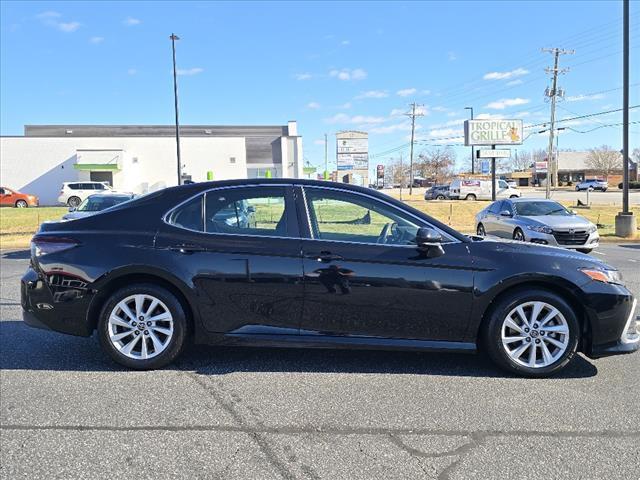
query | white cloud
[346, 105]
[393, 128]
[513, 83]
[52, 19]
[132, 71]
[96, 40]
[319, 141]
[313, 105]
[345, 42]
[440, 109]
[507, 102]
[359, 119]
[452, 56]
[489, 116]
[518, 72]
[445, 132]
[581, 98]
[372, 94]
[397, 112]
[189, 71]
[405, 92]
[347, 74]
[303, 76]
[130, 21]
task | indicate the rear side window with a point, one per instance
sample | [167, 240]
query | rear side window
[247, 211]
[495, 207]
[188, 215]
[73, 186]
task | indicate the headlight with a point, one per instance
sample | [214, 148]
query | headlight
[592, 229]
[604, 276]
[540, 229]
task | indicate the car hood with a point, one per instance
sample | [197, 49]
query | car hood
[558, 221]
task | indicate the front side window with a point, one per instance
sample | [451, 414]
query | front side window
[541, 208]
[247, 211]
[350, 217]
[495, 207]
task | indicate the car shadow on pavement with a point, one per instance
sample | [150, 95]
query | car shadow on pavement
[16, 254]
[635, 246]
[26, 348]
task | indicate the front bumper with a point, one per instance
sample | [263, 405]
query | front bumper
[592, 241]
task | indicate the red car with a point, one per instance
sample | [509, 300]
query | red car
[11, 198]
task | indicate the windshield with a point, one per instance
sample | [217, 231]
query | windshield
[97, 204]
[537, 209]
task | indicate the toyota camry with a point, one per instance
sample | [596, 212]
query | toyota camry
[318, 264]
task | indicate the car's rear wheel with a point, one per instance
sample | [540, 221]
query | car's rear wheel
[480, 230]
[21, 204]
[470, 197]
[142, 326]
[532, 333]
[73, 201]
[440, 197]
[513, 196]
[518, 235]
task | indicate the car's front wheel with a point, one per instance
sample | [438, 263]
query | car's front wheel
[532, 333]
[21, 204]
[518, 235]
[142, 326]
[480, 230]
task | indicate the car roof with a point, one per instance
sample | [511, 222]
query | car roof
[111, 195]
[529, 199]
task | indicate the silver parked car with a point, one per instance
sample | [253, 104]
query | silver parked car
[96, 203]
[594, 184]
[544, 222]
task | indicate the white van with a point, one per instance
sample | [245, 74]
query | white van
[481, 190]
[74, 193]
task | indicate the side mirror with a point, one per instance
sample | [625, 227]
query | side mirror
[72, 209]
[429, 241]
[506, 213]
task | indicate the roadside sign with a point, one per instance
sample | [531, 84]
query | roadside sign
[484, 166]
[504, 153]
[541, 167]
[492, 132]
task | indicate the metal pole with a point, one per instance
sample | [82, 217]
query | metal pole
[326, 157]
[493, 176]
[413, 129]
[625, 109]
[401, 175]
[553, 120]
[173, 38]
[473, 160]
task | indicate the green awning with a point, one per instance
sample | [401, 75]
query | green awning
[96, 166]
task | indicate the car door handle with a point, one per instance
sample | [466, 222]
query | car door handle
[325, 257]
[187, 248]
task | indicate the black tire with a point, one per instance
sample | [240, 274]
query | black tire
[491, 336]
[480, 231]
[518, 235]
[514, 196]
[441, 197]
[73, 201]
[471, 197]
[21, 204]
[585, 250]
[180, 327]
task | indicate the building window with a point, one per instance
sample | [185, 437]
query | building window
[232, 160]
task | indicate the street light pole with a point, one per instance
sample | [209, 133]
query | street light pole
[173, 38]
[473, 160]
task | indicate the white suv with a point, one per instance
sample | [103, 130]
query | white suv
[73, 193]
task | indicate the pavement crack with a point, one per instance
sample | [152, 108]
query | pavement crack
[462, 449]
[476, 441]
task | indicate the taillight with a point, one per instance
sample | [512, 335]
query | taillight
[44, 245]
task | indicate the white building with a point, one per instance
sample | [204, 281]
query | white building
[137, 158]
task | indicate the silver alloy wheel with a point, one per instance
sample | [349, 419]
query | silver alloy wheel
[21, 204]
[535, 334]
[518, 235]
[140, 326]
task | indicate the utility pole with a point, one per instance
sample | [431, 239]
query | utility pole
[326, 157]
[413, 116]
[401, 175]
[173, 38]
[473, 160]
[553, 93]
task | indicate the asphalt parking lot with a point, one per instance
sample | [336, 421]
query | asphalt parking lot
[68, 412]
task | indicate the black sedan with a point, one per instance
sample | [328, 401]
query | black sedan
[320, 264]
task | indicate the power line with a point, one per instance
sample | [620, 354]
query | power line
[413, 116]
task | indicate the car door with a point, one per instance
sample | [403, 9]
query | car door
[505, 224]
[245, 267]
[492, 218]
[365, 276]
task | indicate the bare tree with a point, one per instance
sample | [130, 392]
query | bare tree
[396, 173]
[604, 160]
[436, 163]
[523, 161]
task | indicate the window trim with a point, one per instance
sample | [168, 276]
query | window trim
[288, 192]
[421, 221]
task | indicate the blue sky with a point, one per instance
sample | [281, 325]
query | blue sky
[330, 66]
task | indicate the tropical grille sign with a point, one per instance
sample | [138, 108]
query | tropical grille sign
[493, 132]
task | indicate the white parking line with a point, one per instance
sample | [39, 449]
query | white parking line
[600, 253]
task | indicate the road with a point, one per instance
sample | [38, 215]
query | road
[68, 412]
